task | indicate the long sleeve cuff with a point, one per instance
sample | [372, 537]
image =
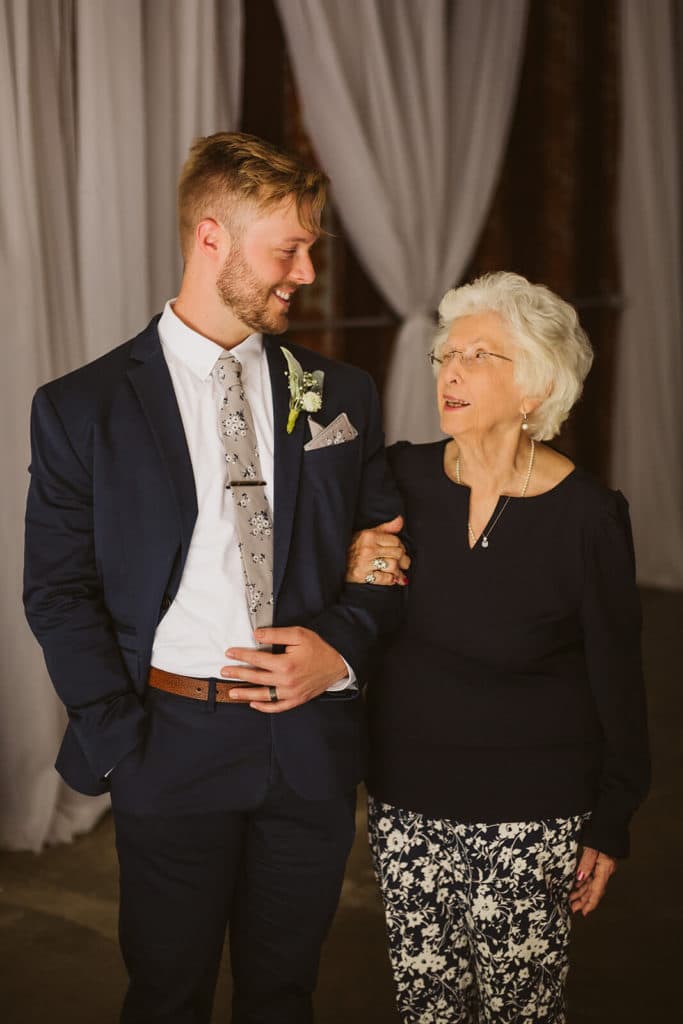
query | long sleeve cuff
[347, 683]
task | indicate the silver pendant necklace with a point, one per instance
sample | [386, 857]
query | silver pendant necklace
[485, 536]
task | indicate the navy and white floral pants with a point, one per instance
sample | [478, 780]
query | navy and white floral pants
[477, 915]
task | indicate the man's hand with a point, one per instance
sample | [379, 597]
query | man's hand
[592, 875]
[380, 553]
[306, 669]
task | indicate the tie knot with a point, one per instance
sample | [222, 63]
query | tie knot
[229, 369]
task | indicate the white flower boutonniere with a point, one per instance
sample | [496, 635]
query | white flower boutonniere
[305, 389]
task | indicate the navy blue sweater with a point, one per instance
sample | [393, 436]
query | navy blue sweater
[514, 690]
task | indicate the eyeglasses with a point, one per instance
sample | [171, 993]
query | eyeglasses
[472, 359]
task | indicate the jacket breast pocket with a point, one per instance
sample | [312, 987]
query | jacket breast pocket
[332, 457]
[334, 471]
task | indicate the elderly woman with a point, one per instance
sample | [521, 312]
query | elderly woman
[508, 735]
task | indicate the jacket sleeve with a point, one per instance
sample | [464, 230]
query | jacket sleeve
[363, 612]
[611, 623]
[63, 596]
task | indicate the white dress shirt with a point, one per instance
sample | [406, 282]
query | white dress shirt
[209, 612]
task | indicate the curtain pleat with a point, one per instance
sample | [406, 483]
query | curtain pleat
[648, 427]
[408, 105]
[99, 102]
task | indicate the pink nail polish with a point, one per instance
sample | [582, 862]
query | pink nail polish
[580, 875]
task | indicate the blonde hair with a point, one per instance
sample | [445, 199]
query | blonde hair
[553, 354]
[227, 169]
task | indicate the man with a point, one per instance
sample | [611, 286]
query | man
[178, 536]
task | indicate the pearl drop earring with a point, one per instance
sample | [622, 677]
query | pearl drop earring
[525, 425]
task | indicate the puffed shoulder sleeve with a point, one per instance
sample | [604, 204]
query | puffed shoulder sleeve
[611, 621]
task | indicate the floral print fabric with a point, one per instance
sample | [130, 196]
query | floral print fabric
[477, 915]
[252, 512]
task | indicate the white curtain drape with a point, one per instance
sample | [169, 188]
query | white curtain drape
[408, 104]
[99, 102]
[648, 438]
[151, 77]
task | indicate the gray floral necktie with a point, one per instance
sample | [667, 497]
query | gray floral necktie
[252, 513]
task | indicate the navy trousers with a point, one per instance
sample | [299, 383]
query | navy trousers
[269, 869]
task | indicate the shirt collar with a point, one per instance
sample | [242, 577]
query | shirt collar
[198, 353]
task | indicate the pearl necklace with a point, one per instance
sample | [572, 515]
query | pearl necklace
[485, 536]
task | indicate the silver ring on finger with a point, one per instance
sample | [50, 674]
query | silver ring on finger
[272, 695]
[380, 563]
[370, 578]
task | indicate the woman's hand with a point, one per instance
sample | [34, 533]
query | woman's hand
[592, 875]
[378, 553]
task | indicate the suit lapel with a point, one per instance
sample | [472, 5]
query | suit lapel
[152, 383]
[288, 449]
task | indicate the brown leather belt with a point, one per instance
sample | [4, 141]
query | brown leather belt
[188, 686]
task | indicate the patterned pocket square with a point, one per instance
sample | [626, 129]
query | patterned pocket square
[339, 431]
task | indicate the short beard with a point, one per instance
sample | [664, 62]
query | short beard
[246, 297]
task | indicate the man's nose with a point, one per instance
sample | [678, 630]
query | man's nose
[304, 271]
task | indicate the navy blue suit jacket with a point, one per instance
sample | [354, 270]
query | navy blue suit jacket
[110, 513]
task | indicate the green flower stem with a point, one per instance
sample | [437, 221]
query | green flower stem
[292, 418]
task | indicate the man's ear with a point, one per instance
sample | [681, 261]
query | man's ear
[211, 239]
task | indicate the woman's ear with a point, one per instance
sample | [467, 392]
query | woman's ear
[529, 405]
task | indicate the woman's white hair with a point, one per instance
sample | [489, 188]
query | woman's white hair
[553, 354]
